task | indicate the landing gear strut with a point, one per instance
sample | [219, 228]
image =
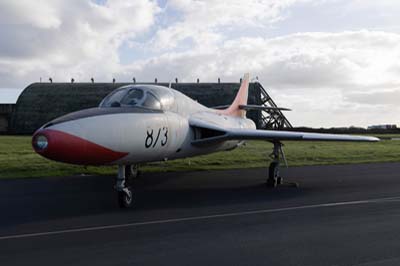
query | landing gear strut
[132, 171]
[124, 192]
[274, 177]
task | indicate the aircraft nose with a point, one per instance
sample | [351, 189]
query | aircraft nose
[40, 141]
[64, 147]
[50, 144]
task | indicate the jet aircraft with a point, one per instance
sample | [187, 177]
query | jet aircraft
[137, 124]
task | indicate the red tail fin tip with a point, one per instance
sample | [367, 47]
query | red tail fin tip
[240, 99]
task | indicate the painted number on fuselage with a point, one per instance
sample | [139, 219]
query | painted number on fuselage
[156, 136]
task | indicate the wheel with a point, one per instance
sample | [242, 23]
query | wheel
[271, 182]
[125, 198]
[273, 175]
[132, 171]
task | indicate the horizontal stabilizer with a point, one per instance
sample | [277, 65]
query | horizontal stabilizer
[254, 107]
[261, 107]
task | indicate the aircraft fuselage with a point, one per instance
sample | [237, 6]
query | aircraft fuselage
[131, 135]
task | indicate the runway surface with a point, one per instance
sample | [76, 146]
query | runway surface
[340, 215]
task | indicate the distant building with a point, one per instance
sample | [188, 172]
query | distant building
[6, 111]
[382, 127]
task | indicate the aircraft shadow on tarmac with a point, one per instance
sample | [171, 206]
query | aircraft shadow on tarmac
[35, 200]
[190, 193]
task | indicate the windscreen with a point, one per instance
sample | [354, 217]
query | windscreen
[132, 97]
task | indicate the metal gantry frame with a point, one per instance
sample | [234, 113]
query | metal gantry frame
[271, 119]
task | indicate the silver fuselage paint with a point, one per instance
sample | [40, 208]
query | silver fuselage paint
[149, 137]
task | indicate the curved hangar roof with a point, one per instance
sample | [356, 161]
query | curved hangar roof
[42, 102]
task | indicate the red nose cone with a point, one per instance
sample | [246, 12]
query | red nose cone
[63, 147]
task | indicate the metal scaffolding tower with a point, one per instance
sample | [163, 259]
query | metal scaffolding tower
[271, 119]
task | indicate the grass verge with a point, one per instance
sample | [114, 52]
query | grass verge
[17, 159]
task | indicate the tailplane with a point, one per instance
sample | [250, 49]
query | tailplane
[240, 100]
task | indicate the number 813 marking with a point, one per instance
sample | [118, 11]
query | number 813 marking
[156, 136]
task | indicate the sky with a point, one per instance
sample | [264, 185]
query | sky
[334, 62]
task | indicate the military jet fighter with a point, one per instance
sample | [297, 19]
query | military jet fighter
[136, 124]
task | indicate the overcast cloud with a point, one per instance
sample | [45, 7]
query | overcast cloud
[334, 62]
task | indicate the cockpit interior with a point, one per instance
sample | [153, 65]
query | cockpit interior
[146, 96]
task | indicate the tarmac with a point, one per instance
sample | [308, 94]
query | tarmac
[339, 215]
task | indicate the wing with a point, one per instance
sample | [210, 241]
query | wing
[210, 133]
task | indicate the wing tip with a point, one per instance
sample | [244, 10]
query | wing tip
[374, 139]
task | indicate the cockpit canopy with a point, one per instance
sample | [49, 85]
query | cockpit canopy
[146, 96]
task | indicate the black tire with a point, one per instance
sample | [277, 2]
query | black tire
[271, 182]
[125, 199]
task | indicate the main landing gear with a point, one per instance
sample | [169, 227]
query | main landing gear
[126, 174]
[274, 177]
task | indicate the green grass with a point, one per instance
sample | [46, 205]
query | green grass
[17, 158]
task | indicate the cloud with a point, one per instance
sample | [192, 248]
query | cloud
[313, 73]
[41, 14]
[60, 38]
[377, 97]
[320, 73]
[207, 23]
[345, 60]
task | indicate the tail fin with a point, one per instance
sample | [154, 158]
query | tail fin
[241, 99]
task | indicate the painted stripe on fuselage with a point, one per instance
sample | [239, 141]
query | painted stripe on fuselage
[64, 147]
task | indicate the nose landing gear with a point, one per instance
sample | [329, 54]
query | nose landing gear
[123, 186]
